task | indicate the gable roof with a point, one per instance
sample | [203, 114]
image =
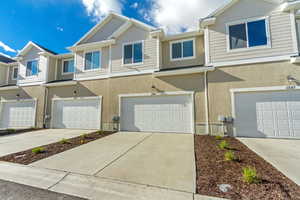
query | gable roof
[5, 59]
[31, 44]
[107, 19]
[230, 3]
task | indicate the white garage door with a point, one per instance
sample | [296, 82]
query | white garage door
[268, 114]
[20, 114]
[83, 113]
[157, 114]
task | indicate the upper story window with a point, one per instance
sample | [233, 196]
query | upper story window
[248, 34]
[68, 66]
[133, 53]
[15, 72]
[92, 60]
[32, 68]
[183, 49]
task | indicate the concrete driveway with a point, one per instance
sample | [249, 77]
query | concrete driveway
[20, 142]
[282, 154]
[160, 160]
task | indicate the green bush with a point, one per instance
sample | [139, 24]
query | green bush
[100, 132]
[224, 144]
[65, 141]
[11, 130]
[84, 136]
[250, 175]
[38, 150]
[219, 137]
[229, 156]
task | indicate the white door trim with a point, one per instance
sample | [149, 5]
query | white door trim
[76, 98]
[178, 93]
[254, 89]
[35, 100]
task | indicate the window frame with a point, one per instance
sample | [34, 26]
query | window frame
[100, 59]
[12, 73]
[246, 21]
[133, 43]
[38, 66]
[62, 66]
[182, 41]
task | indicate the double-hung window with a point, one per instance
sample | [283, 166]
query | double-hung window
[68, 66]
[248, 34]
[133, 53]
[15, 73]
[184, 49]
[92, 60]
[32, 68]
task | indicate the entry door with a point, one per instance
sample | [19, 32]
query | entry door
[157, 114]
[77, 113]
[19, 114]
[268, 114]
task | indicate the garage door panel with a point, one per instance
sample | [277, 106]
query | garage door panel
[267, 114]
[76, 114]
[157, 114]
[18, 114]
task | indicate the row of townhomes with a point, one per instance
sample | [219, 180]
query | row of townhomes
[237, 73]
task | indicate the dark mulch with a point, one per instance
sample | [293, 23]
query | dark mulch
[27, 157]
[17, 131]
[212, 171]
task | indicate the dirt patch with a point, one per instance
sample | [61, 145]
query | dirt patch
[213, 171]
[17, 131]
[28, 157]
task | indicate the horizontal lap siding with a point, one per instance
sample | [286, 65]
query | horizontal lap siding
[281, 41]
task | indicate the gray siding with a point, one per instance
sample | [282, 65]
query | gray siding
[280, 31]
[198, 60]
[134, 34]
[106, 31]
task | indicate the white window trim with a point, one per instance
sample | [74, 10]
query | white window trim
[100, 61]
[245, 21]
[38, 67]
[181, 41]
[132, 43]
[12, 73]
[62, 66]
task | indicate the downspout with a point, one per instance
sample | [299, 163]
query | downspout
[45, 108]
[207, 126]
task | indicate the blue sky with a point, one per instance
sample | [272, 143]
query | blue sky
[57, 24]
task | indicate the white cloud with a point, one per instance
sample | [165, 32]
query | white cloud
[7, 48]
[61, 29]
[182, 14]
[100, 8]
[3, 54]
[134, 5]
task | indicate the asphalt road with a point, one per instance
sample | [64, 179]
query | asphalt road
[13, 191]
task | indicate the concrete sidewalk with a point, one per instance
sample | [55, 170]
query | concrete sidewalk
[89, 187]
[21, 142]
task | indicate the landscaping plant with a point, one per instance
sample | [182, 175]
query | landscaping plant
[219, 137]
[229, 156]
[38, 150]
[100, 132]
[250, 175]
[84, 136]
[223, 144]
[65, 141]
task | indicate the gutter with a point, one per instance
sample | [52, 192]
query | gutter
[183, 71]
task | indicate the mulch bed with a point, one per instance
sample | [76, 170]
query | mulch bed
[212, 171]
[28, 157]
[17, 131]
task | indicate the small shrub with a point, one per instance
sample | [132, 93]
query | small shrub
[229, 156]
[65, 141]
[38, 150]
[100, 132]
[11, 130]
[250, 175]
[81, 141]
[84, 136]
[219, 137]
[224, 144]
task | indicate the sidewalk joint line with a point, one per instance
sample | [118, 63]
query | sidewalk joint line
[58, 181]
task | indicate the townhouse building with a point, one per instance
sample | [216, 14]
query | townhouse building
[239, 69]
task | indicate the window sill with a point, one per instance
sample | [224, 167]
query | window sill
[182, 59]
[67, 73]
[92, 70]
[133, 64]
[249, 49]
